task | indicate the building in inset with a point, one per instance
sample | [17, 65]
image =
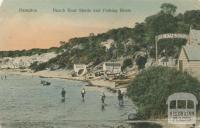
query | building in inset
[182, 103]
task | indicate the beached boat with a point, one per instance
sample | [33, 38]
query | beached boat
[45, 83]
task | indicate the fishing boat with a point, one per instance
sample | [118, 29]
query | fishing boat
[45, 83]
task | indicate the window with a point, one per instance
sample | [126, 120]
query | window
[181, 104]
[173, 104]
[190, 104]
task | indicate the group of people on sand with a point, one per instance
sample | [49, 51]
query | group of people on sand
[103, 97]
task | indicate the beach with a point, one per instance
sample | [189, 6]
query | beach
[26, 103]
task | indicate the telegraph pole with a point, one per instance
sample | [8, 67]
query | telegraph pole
[156, 44]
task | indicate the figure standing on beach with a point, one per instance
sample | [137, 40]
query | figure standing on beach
[83, 92]
[120, 98]
[63, 93]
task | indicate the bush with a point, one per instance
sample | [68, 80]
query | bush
[150, 89]
[127, 63]
[141, 61]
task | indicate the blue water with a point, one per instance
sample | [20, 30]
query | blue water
[24, 102]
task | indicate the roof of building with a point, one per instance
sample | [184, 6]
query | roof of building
[192, 52]
[194, 36]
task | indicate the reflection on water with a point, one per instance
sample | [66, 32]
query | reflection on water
[24, 102]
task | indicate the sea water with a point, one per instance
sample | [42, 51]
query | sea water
[24, 102]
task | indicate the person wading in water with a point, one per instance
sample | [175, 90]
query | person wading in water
[120, 98]
[83, 92]
[63, 93]
[103, 97]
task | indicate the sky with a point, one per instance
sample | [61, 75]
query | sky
[45, 28]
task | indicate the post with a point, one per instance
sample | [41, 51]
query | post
[156, 44]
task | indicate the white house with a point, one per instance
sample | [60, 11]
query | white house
[112, 67]
[189, 58]
[80, 69]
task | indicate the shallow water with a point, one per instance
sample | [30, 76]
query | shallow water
[24, 102]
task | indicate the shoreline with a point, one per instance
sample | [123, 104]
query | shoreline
[62, 74]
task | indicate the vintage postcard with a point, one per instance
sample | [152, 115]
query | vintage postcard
[99, 63]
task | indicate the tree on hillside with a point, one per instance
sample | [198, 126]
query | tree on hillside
[127, 63]
[62, 43]
[141, 61]
[192, 17]
[139, 33]
[168, 8]
[150, 89]
[162, 23]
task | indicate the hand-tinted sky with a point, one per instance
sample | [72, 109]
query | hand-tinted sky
[45, 29]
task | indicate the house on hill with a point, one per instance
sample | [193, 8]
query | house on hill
[189, 59]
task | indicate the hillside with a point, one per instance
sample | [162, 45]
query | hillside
[23, 62]
[121, 43]
[34, 51]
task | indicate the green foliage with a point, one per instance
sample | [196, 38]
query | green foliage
[168, 8]
[127, 63]
[141, 61]
[192, 17]
[34, 66]
[150, 89]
